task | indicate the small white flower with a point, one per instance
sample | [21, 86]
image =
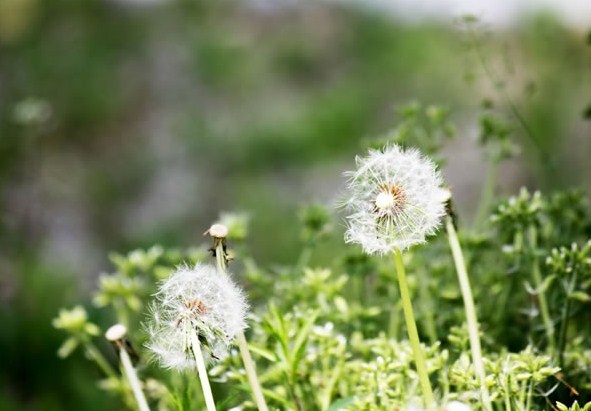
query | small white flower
[201, 299]
[456, 406]
[395, 200]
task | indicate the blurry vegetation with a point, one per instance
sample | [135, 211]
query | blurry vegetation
[111, 115]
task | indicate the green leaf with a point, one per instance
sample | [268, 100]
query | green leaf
[263, 352]
[341, 403]
[561, 406]
[276, 397]
[341, 304]
[300, 341]
[580, 296]
[278, 330]
[545, 284]
[67, 347]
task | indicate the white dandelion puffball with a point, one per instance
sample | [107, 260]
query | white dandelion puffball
[201, 300]
[395, 200]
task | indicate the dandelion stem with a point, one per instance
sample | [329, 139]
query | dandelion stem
[220, 257]
[413, 334]
[471, 318]
[133, 380]
[205, 387]
[541, 294]
[257, 391]
[249, 365]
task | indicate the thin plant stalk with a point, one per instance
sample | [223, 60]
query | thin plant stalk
[103, 364]
[205, 387]
[488, 190]
[529, 395]
[471, 318]
[251, 372]
[413, 334]
[249, 365]
[427, 310]
[133, 380]
[565, 318]
[541, 294]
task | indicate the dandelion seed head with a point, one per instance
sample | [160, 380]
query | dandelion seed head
[201, 299]
[395, 200]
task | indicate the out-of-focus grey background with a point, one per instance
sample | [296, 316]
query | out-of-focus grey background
[133, 122]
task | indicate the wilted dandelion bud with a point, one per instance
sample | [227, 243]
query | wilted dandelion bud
[395, 198]
[218, 231]
[200, 300]
[116, 332]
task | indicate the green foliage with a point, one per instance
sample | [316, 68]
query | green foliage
[263, 102]
[574, 407]
[74, 322]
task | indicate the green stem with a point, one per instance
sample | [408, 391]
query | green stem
[305, 256]
[471, 318]
[488, 191]
[220, 257]
[541, 294]
[98, 358]
[522, 393]
[249, 365]
[134, 382]
[413, 334]
[565, 319]
[507, 398]
[427, 310]
[205, 387]
[544, 156]
[121, 312]
[393, 321]
[501, 315]
[529, 395]
[326, 395]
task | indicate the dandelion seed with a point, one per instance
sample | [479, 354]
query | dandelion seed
[396, 200]
[195, 300]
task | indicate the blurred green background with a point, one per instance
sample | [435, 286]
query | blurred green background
[124, 124]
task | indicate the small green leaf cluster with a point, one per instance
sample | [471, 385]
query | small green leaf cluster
[74, 322]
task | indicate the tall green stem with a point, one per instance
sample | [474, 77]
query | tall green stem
[249, 365]
[541, 294]
[471, 318]
[413, 334]
[488, 191]
[427, 310]
[529, 395]
[205, 387]
[305, 256]
[565, 318]
[134, 382]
